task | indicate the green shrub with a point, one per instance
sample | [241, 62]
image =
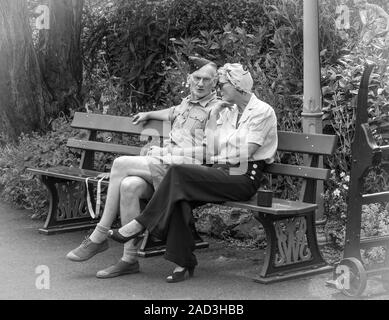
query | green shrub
[127, 48]
[19, 187]
[374, 216]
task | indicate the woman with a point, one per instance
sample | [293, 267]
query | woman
[241, 139]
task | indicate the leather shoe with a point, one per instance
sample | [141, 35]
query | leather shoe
[178, 276]
[114, 234]
[86, 250]
[118, 269]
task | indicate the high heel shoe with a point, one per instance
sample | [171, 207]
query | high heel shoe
[178, 276]
[114, 234]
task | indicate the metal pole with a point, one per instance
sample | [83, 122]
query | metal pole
[312, 105]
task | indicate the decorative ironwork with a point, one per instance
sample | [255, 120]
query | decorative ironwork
[71, 201]
[292, 241]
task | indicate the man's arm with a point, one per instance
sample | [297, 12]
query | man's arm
[162, 115]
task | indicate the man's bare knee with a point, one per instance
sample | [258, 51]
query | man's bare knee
[134, 187]
[120, 163]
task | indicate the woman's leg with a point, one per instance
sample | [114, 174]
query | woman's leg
[180, 243]
[188, 184]
[195, 184]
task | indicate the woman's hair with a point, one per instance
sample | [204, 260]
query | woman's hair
[235, 74]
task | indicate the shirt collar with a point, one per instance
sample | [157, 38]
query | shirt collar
[248, 108]
[204, 100]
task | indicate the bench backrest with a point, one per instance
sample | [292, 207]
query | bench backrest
[117, 124]
[313, 145]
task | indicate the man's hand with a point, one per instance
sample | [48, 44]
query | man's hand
[104, 175]
[140, 117]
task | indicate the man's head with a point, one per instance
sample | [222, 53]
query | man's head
[203, 77]
[234, 81]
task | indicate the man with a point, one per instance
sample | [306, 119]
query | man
[133, 178]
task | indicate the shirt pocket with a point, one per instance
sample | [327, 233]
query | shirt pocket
[179, 121]
[196, 120]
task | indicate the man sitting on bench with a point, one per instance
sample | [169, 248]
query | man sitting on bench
[135, 176]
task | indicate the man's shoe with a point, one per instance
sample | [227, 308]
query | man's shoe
[87, 250]
[118, 269]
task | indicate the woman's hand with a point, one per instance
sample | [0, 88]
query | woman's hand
[219, 106]
[158, 151]
[140, 117]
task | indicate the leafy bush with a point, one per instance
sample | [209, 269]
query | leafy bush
[127, 43]
[20, 187]
[374, 219]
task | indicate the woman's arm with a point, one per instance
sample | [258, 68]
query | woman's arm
[241, 155]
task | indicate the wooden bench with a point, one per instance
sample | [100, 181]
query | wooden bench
[67, 188]
[292, 248]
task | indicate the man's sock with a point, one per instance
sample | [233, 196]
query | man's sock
[99, 234]
[130, 251]
[130, 228]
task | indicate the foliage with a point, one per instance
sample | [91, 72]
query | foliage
[374, 219]
[129, 45]
[335, 207]
[134, 60]
[340, 90]
[38, 151]
[341, 82]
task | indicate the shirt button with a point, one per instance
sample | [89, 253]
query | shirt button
[255, 166]
[253, 172]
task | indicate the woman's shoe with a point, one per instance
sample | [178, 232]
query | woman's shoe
[114, 234]
[178, 276]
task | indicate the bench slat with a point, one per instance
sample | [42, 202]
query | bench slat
[103, 147]
[279, 206]
[298, 171]
[68, 173]
[100, 122]
[323, 144]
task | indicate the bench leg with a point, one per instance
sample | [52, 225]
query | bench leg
[292, 250]
[67, 207]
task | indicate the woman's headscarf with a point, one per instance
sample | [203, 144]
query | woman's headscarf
[237, 76]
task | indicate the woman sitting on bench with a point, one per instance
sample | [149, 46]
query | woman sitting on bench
[242, 136]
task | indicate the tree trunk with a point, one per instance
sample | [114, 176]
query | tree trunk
[60, 54]
[22, 94]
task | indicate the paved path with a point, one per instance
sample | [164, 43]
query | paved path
[223, 272]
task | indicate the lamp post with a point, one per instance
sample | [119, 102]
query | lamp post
[312, 102]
